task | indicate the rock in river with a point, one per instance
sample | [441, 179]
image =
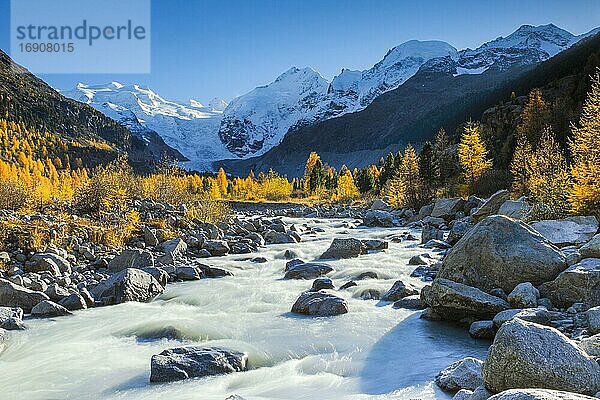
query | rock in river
[47, 309]
[528, 355]
[128, 285]
[500, 252]
[345, 248]
[307, 271]
[195, 362]
[321, 304]
[463, 374]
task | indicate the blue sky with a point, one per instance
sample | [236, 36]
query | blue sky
[203, 49]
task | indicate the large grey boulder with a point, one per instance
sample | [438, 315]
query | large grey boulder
[307, 271]
[379, 218]
[591, 249]
[344, 248]
[13, 295]
[43, 264]
[524, 295]
[195, 362]
[48, 309]
[492, 205]
[580, 283]
[73, 302]
[591, 345]
[593, 319]
[569, 231]
[484, 329]
[528, 355]
[462, 374]
[538, 315]
[62, 264]
[430, 232]
[381, 205]
[216, 247]
[174, 250]
[517, 209]
[458, 230]
[274, 237]
[447, 208]
[539, 394]
[131, 258]
[456, 301]
[500, 252]
[321, 304]
[11, 318]
[399, 290]
[130, 284]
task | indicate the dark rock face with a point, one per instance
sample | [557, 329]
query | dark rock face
[131, 258]
[528, 355]
[128, 285]
[321, 304]
[195, 362]
[500, 252]
[456, 301]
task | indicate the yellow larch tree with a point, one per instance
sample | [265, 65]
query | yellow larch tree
[472, 154]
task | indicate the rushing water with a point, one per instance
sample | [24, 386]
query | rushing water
[373, 352]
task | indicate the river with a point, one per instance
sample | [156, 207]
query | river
[373, 352]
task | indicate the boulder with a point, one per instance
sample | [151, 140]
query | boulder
[344, 248]
[73, 302]
[131, 258]
[484, 329]
[379, 218]
[517, 209]
[569, 231]
[48, 309]
[12, 295]
[11, 319]
[130, 284]
[500, 252]
[56, 292]
[456, 301]
[463, 374]
[307, 271]
[528, 355]
[42, 264]
[430, 232]
[413, 302]
[381, 205]
[492, 205]
[62, 264]
[321, 304]
[591, 345]
[195, 362]
[150, 237]
[593, 319]
[322, 283]
[216, 247]
[580, 283]
[188, 273]
[398, 291]
[538, 394]
[537, 315]
[273, 237]
[447, 208]
[591, 249]
[524, 295]
[159, 274]
[458, 230]
[375, 244]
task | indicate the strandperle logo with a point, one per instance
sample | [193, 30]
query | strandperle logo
[81, 36]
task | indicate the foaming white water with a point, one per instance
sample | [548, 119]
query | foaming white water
[373, 352]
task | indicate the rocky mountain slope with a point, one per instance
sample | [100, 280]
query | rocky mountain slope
[189, 128]
[443, 93]
[27, 98]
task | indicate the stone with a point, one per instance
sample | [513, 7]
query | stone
[321, 304]
[413, 302]
[455, 301]
[436, 244]
[528, 355]
[381, 205]
[213, 272]
[517, 209]
[87, 296]
[131, 258]
[12, 295]
[48, 309]
[524, 295]
[73, 302]
[458, 230]
[591, 249]
[447, 208]
[537, 315]
[578, 283]
[322, 283]
[492, 205]
[569, 231]
[481, 393]
[398, 291]
[56, 292]
[484, 329]
[430, 232]
[593, 319]
[216, 247]
[159, 274]
[370, 294]
[62, 264]
[175, 247]
[195, 362]
[307, 271]
[538, 394]
[273, 237]
[130, 284]
[348, 285]
[11, 319]
[500, 252]
[591, 345]
[344, 248]
[42, 264]
[462, 374]
[375, 244]
[188, 273]
[379, 218]
[150, 237]
[367, 275]
[419, 259]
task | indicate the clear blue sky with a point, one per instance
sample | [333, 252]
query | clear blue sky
[203, 49]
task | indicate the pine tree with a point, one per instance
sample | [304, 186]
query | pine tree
[443, 156]
[428, 166]
[472, 154]
[585, 150]
[317, 177]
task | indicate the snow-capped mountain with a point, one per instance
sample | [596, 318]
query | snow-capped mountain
[258, 120]
[191, 128]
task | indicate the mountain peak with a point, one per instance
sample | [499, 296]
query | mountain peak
[424, 49]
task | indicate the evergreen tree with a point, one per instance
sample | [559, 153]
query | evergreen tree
[585, 150]
[428, 167]
[443, 156]
[472, 154]
[535, 118]
[317, 177]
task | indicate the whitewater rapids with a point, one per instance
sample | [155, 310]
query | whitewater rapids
[373, 352]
